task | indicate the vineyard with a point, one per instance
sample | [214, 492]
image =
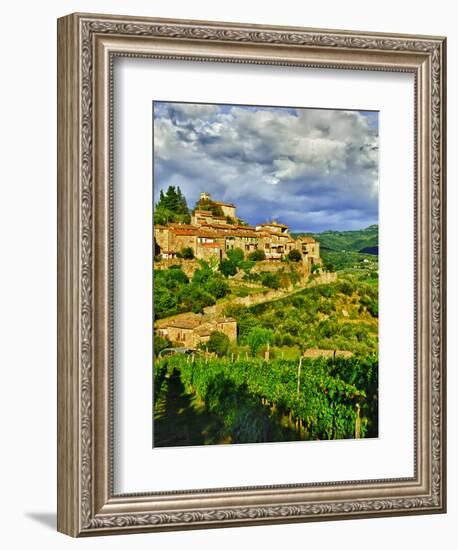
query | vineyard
[251, 400]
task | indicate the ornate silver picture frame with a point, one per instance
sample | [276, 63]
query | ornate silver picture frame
[87, 47]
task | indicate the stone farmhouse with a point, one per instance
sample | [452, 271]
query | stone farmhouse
[192, 329]
[210, 236]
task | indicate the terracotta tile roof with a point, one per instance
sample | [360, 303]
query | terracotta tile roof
[275, 234]
[308, 240]
[188, 316]
[273, 224]
[190, 232]
[245, 227]
[226, 320]
[210, 245]
[208, 214]
[185, 323]
[205, 329]
[218, 225]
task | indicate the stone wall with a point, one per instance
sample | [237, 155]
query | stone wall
[302, 268]
[323, 279]
[188, 266]
[268, 296]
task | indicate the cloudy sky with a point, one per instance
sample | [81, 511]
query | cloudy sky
[312, 169]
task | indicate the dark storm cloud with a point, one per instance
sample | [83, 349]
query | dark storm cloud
[312, 169]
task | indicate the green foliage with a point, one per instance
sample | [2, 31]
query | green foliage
[228, 268]
[346, 288]
[242, 395]
[315, 268]
[174, 200]
[159, 344]
[345, 241]
[312, 318]
[218, 343]
[339, 261]
[171, 207]
[235, 255]
[294, 255]
[271, 280]
[194, 298]
[187, 253]
[257, 256]
[258, 337]
[175, 293]
[216, 286]
[209, 206]
[246, 265]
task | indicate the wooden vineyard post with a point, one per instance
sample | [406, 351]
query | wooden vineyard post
[299, 376]
[358, 422]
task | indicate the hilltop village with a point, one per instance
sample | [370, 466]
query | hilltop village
[213, 232]
[215, 229]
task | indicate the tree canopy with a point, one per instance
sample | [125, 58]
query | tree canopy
[209, 206]
[294, 255]
[218, 343]
[257, 256]
[171, 207]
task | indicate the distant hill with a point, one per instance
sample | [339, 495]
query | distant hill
[362, 240]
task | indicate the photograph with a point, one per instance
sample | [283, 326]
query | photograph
[251, 275]
[265, 274]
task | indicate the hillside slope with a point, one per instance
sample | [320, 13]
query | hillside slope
[362, 240]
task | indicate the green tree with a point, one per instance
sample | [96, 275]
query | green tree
[163, 216]
[218, 343]
[171, 207]
[209, 206]
[235, 255]
[271, 280]
[258, 337]
[217, 286]
[187, 253]
[257, 256]
[228, 268]
[160, 343]
[294, 255]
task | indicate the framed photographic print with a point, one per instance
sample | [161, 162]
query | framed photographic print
[251, 274]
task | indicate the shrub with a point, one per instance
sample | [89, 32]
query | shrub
[271, 280]
[187, 253]
[295, 256]
[218, 343]
[217, 287]
[257, 337]
[346, 288]
[235, 255]
[372, 308]
[160, 343]
[257, 256]
[228, 268]
[325, 306]
[246, 265]
[328, 265]
[195, 298]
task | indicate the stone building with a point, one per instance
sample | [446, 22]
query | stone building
[211, 236]
[310, 248]
[192, 329]
[228, 209]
